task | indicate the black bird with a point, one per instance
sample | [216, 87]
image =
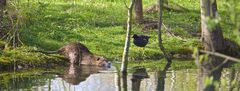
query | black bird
[140, 40]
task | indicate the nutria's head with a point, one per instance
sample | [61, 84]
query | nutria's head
[100, 61]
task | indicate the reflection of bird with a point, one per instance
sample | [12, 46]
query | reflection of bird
[140, 40]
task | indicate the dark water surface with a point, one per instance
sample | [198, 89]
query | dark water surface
[91, 78]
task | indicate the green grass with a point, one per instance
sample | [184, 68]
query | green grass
[98, 24]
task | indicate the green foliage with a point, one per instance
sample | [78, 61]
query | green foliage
[209, 82]
[212, 23]
[230, 14]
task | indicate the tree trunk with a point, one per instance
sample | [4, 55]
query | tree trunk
[139, 11]
[159, 31]
[2, 5]
[212, 39]
[127, 40]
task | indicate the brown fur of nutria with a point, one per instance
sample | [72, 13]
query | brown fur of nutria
[78, 53]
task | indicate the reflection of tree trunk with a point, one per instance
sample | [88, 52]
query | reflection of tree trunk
[118, 80]
[124, 82]
[238, 81]
[49, 84]
[138, 11]
[232, 78]
[121, 81]
[173, 80]
[200, 83]
[208, 73]
[203, 74]
[212, 40]
[127, 40]
[136, 84]
[64, 86]
[139, 73]
[161, 78]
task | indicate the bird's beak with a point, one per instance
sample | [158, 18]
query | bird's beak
[134, 35]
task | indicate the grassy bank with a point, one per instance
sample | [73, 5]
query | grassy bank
[21, 58]
[98, 24]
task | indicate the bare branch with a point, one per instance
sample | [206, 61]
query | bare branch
[220, 55]
[168, 29]
[220, 65]
[124, 1]
[127, 40]
[160, 44]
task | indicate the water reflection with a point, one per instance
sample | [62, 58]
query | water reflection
[209, 74]
[232, 82]
[137, 76]
[84, 78]
[16, 81]
[124, 82]
[76, 74]
[232, 77]
[92, 78]
[161, 77]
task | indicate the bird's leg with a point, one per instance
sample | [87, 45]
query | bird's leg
[143, 52]
[139, 54]
[139, 62]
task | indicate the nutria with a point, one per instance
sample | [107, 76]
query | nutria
[78, 53]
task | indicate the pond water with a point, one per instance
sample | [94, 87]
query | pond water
[91, 78]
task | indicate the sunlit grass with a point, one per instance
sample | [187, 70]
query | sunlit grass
[98, 24]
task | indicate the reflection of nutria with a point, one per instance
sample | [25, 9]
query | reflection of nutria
[78, 53]
[76, 74]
